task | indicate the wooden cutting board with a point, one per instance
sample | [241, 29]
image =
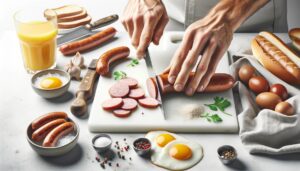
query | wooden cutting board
[142, 119]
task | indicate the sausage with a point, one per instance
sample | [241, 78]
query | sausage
[136, 93]
[131, 82]
[109, 57]
[119, 90]
[42, 120]
[129, 104]
[112, 104]
[39, 134]
[218, 83]
[148, 102]
[121, 113]
[61, 130]
[89, 42]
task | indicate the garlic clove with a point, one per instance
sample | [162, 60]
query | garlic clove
[78, 60]
[73, 70]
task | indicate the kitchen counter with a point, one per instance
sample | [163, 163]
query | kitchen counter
[19, 105]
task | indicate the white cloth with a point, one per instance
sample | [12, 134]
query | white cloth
[272, 17]
[266, 131]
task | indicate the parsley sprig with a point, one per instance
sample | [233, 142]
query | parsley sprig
[118, 75]
[215, 118]
[219, 104]
[133, 62]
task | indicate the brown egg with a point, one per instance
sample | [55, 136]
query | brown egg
[258, 84]
[280, 90]
[285, 108]
[267, 100]
[246, 72]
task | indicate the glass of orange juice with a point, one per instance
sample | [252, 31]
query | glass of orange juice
[37, 37]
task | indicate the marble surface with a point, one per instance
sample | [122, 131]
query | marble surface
[19, 105]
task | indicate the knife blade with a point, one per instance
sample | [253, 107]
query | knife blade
[151, 73]
[86, 29]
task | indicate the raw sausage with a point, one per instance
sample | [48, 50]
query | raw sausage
[61, 130]
[131, 82]
[129, 104]
[109, 57]
[119, 90]
[136, 93]
[42, 120]
[112, 104]
[89, 42]
[39, 134]
[218, 83]
[148, 102]
[121, 113]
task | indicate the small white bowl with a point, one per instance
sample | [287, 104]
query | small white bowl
[53, 151]
[53, 92]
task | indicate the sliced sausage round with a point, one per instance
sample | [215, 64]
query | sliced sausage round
[151, 87]
[131, 82]
[136, 93]
[148, 102]
[129, 104]
[112, 104]
[119, 90]
[121, 113]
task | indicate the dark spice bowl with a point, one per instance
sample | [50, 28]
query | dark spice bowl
[227, 154]
[140, 151]
[101, 149]
[53, 151]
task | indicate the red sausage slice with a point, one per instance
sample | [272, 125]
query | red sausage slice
[148, 102]
[129, 104]
[136, 93]
[119, 90]
[131, 82]
[112, 104]
[121, 113]
[151, 87]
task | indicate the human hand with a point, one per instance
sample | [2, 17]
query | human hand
[144, 20]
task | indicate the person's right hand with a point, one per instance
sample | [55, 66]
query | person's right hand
[144, 20]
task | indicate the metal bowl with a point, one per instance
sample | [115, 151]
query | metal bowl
[52, 92]
[53, 151]
[101, 149]
[222, 158]
[142, 152]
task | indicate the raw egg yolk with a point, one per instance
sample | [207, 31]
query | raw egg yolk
[180, 152]
[164, 139]
[51, 83]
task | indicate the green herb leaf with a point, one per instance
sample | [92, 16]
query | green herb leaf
[119, 75]
[134, 62]
[215, 118]
[212, 107]
[219, 104]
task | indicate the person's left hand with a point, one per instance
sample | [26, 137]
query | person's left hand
[208, 38]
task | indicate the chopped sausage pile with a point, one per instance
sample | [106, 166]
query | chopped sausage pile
[126, 95]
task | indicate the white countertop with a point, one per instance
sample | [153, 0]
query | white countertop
[19, 105]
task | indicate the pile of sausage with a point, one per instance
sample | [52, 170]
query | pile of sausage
[50, 127]
[126, 95]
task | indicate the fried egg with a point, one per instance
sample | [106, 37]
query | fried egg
[50, 81]
[172, 151]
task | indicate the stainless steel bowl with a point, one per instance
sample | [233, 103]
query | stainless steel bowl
[101, 149]
[223, 159]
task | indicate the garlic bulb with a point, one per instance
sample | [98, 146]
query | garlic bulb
[73, 70]
[78, 60]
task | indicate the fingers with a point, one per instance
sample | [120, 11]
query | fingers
[138, 27]
[202, 68]
[146, 35]
[167, 70]
[129, 26]
[160, 28]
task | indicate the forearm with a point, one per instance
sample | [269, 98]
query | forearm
[235, 12]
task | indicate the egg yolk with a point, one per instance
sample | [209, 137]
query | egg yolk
[51, 83]
[164, 139]
[180, 152]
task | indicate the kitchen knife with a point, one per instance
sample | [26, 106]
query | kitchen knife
[151, 73]
[85, 91]
[86, 29]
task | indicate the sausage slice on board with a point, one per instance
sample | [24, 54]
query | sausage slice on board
[112, 104]
[131, 82]
[148, 102]
[136, 93]
[119, 90]
[121, 113]
[129, 104]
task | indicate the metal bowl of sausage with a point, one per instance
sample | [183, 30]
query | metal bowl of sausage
[60, 137]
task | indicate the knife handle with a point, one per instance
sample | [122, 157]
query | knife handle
[79, 105]
[102, 22]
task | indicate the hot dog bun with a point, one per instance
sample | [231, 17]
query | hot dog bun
[295, 36]
[276, 57]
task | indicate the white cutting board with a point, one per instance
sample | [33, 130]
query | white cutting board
[142, 119]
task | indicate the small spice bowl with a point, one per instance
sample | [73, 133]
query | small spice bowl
[142, 146]
[105, 146]
[227, 154]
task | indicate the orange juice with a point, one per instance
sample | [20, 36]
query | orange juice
[38, 44]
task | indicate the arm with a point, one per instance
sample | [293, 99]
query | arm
[209, 37]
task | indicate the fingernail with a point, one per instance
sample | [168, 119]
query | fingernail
[178, 87]
[172, 79]
[201, 88]
[189, 91]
